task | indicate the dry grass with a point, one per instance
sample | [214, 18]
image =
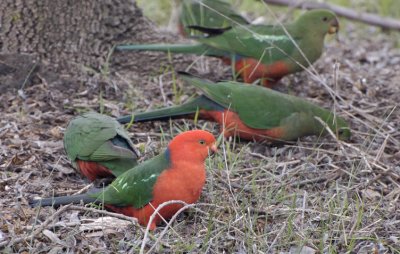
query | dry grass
[314, 195]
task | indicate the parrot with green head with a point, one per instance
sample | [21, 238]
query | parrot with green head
[176, 174]
[250, 112]
[207, 13]
[260, 51]
[98, 146]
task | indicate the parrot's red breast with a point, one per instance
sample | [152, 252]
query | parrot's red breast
[250, 69]
[231, 125]
[93, 170]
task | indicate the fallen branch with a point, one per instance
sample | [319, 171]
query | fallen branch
[372, 19]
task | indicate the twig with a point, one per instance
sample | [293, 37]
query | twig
[274, 210]
[186, 206]
[118, 216]
[152, 217]
[368, 18]
[277, 236]
[104, 212]
[315, 180]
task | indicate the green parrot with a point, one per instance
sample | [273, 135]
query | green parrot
[207, 13]
[260, 51]
[99, 146]
[250, 112]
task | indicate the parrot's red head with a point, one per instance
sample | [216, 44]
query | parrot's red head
[193, 145]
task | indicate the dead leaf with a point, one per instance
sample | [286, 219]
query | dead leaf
[53, 237]
[63, 169]
[56, 132]
[371, 194]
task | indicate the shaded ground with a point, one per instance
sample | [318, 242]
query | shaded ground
[323, 194]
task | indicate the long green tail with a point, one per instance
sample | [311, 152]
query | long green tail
[173, 48]
[178, 111]
[197, 49]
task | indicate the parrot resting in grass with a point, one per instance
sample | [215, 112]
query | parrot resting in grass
[260, 51]
[250, 112]
[176, 174]
[99, 146]
[207, 13]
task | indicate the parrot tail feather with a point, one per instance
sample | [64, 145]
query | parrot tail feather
[210, 31]
[178, 111]
[65, 200]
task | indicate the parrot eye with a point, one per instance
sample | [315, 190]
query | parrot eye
[202, 142]
[324, 19]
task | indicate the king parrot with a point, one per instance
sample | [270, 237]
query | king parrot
[207, 13]
[261, 51]
[176, 174]
[98, 146]
[250, 112]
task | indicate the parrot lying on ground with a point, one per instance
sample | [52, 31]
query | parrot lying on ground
[207, 13]
[98, 146]
[176, 174]
[250, 112]
[260, 51]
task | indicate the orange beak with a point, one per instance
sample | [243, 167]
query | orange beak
[214, 148]
[334, 26]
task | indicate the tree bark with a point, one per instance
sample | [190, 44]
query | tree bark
[68, 36]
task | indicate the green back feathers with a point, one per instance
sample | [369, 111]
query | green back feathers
[297, 45]
[100, 138]
[262, 108]
[208, 13]
[273, 43]
[135, 186]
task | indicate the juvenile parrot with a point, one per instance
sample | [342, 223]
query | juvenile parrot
[98, 146]
[207, 13]
[250, 112]
[176, 174]
[261, 51]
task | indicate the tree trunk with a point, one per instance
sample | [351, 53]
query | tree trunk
[72, 36]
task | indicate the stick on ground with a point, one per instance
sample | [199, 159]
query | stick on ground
[368, 18]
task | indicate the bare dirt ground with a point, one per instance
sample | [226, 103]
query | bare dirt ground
[310, 196]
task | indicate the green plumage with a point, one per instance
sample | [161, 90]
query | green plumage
[296, 45]
[198, 49]
[208, 13]
[261, 108]
[99, 138]
[273, 43]
[257, 107]
[135, 186]
[132, 188]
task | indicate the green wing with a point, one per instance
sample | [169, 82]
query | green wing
[91, 137]
[135, 186]
[209, 13]
[267, 43]
[262, 108]
[257, 107]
